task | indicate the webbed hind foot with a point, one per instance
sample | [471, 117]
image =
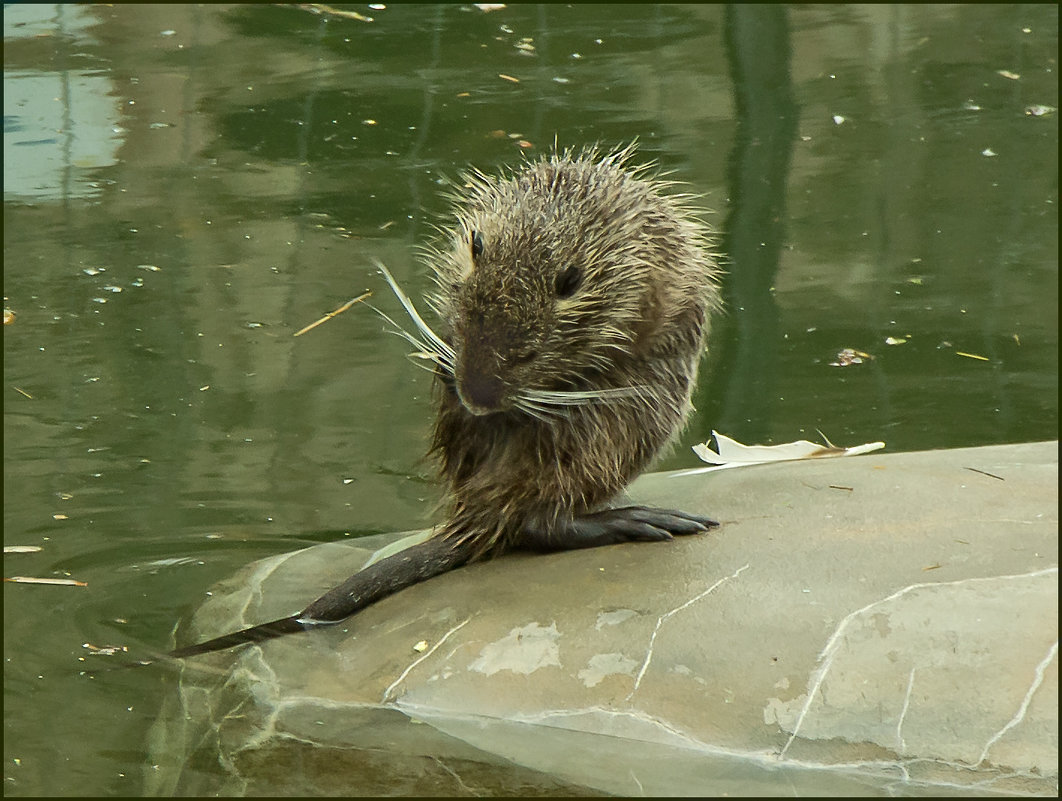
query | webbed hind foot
[611, 526]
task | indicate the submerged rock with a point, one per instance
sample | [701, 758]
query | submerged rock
[884, 624]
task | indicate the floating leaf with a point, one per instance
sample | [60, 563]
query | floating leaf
[849, 356]
[321, 8]
[731, 453]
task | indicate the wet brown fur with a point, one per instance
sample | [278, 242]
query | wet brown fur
[639, 319]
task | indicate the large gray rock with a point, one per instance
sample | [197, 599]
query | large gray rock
[884, 624]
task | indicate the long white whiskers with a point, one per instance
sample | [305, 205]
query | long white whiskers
[542, 404]
[440, 347]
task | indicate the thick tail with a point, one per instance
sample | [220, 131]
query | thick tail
[386, 577]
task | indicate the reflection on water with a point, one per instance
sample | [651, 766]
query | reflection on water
[60, 123]
[185, 187]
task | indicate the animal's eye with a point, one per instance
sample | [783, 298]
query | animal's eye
[477, 244]
[567, 281]
[526, 357]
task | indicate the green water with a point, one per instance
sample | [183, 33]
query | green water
[185, 187]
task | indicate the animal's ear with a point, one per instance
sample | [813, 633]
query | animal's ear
[567, 281]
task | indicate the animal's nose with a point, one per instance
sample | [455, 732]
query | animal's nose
[481, 392]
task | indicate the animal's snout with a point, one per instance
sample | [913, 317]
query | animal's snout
[481, 392]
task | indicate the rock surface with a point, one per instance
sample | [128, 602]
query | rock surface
[883, 624]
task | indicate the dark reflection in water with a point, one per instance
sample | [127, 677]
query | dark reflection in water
[753, 235]
[185, 187]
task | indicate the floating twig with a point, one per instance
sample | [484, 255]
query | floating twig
[56, 581]
[332, 314]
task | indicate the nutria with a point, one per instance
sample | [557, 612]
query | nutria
[573, 298]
